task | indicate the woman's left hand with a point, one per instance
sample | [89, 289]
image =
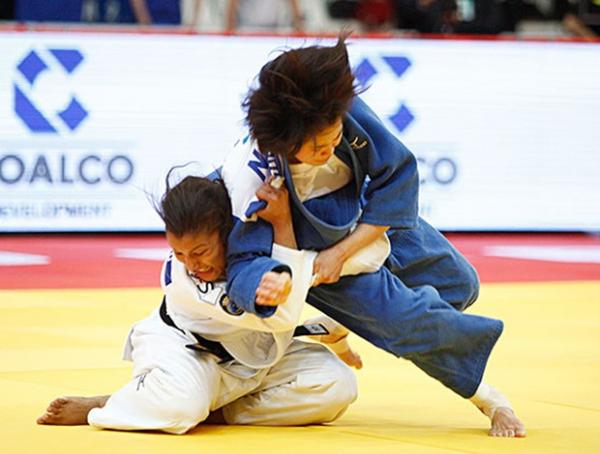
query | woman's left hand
[328, 266]
[277, 211]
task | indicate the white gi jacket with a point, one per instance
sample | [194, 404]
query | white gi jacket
[204, 308]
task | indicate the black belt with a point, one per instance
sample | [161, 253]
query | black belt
[216, 348]
[202, 344]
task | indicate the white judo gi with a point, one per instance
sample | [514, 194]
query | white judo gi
[273, 379]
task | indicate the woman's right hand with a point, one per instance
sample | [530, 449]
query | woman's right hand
[274, 288]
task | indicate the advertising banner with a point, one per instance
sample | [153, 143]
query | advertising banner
[506, 134]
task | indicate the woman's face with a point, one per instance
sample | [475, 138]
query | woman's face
[317, 150]
[203, 254]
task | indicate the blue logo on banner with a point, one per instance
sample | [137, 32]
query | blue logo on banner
[31, 67]
[365, 72]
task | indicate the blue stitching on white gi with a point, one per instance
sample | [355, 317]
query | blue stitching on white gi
[262, 163]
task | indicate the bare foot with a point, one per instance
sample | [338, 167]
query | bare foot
[506, 424]
[71, 411]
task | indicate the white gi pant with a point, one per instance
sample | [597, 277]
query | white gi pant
[174, 388]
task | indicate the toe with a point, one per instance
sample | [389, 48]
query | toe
[55, 404]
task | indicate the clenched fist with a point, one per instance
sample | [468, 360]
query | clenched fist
[273, 289]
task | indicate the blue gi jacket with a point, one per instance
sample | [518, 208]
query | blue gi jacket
[408, 307]
[384, 192]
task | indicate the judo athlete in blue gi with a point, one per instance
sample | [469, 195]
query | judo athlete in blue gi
[353, 188]
[201, 355]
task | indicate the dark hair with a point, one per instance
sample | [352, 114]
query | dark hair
[300, 93]
[195, 204]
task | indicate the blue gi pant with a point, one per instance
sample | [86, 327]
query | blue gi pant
[412, 307]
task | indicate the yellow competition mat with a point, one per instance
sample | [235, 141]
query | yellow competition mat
[69, 342]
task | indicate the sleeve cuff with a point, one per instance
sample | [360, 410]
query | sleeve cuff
[267, 311]
[243, 288]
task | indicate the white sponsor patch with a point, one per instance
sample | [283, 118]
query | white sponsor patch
[157, 253]
[21, 259]
[568, 254]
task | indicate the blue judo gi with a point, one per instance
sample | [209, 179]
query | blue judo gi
[412, 306]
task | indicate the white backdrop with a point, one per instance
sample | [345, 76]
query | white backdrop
[507, 133]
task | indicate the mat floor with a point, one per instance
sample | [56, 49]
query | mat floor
[66, 339]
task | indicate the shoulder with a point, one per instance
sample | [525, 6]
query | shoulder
[237, 158]
[361, 112]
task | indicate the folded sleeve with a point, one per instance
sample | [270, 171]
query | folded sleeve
[248, 258]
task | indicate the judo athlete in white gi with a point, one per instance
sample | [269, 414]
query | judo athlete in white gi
[353, 188]
[200, 352]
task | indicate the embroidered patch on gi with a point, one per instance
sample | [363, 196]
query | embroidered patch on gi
[314, 329]
[358, 146]
[230, 307]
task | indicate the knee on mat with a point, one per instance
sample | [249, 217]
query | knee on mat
[339, 390]
[184, 414]
[179, 403]
[347, 391]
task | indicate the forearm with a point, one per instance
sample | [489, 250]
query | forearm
[362, 236]
[248, 258]
[578, 28]
[231, 18]
[296, 15]
[196, 13]
[283, 234]
[141, 11]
